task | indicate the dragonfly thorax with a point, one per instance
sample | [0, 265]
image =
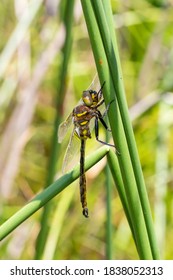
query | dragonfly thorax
[82, 115]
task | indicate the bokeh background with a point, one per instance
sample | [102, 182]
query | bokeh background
[31, 57]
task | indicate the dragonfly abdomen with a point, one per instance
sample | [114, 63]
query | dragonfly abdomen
[82, 180]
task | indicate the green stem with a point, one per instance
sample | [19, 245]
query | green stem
[116, 173]
[109, 70]
[41, 199]
[112, 54]
[108, 215]
[108, 183]
[45, 224]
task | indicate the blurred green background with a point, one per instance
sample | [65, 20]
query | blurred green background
[31, 46]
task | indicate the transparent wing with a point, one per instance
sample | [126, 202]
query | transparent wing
[63, 128]
[70, 157]
[95, 84]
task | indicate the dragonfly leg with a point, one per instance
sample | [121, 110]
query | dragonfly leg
[101, 116]
[103, 123]
[97, 131]
[101, 87]
[107, 109]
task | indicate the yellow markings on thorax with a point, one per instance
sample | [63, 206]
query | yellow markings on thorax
[83, 123]
[81, 114]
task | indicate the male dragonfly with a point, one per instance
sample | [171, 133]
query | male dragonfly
[81, 117]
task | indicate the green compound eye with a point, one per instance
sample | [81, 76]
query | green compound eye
[87, 98]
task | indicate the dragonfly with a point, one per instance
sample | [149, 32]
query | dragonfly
[81, 117]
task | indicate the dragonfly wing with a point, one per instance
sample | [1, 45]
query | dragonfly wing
[63, 128]
[95, 84]
[74, 143]
[71, 152]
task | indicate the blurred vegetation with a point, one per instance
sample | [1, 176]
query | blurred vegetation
[30, 71]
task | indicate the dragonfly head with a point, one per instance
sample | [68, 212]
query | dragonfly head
[91, 97]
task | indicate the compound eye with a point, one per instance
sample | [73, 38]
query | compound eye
[87, 98]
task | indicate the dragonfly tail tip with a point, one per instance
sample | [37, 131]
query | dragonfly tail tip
[85, 212]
